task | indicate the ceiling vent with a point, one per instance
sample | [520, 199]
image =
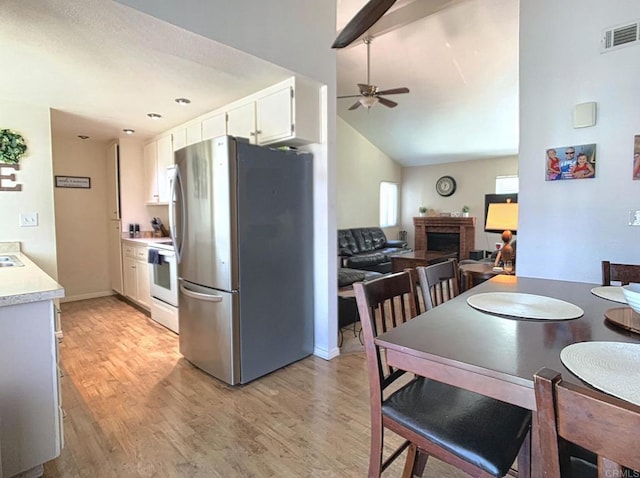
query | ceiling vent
[619, 36]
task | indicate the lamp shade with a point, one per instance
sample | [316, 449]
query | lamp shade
[503, 216]
[368, 101]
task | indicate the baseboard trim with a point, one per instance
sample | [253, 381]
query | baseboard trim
[325, 353]
[93, 295]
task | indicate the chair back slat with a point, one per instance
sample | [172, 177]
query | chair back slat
[438, 282]
[598, 422]
[623, 273]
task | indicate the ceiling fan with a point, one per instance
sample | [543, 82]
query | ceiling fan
[362, 21]
[370, 94]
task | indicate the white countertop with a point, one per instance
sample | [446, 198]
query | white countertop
[147, 240]
[20, 285]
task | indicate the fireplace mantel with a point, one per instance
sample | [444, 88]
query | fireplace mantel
[465, 227]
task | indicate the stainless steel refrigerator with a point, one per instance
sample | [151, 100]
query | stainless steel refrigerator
[242, 225]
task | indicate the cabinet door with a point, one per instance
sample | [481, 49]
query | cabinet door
[150, 179]
[179, 138]
[143, 283]
[115, 256]
[214, 126]
[241, 122]
[113, 183]
[274, 116]
[194, 133]
[164, 162]
[130, 278]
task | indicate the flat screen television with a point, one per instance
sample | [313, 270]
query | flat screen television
[493, 198]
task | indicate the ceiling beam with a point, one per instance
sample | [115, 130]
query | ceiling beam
[404, 15]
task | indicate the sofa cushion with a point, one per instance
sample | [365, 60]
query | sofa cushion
[349, 276]
[369, 259]
[346, 243]
[369, 238]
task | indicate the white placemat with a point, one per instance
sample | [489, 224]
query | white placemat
[610, 292]
[524, 306]
[613, 367]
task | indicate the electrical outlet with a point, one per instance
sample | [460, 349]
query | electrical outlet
[28, 219]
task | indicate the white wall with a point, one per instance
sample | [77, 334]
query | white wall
[35, 175]
[81, 219]
[295, 35]
[567, 227]
[360, 169]
[473, 179]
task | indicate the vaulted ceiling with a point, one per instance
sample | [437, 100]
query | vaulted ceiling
[103, 67]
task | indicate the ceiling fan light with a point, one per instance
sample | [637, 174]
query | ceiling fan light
[368, 101]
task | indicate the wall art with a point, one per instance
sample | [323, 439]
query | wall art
[571, 162]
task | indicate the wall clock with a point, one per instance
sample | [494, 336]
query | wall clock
[446, 186]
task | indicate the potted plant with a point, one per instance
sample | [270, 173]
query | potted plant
[422, 210]
[465, 211]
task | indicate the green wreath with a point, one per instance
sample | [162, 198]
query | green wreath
[12, 146]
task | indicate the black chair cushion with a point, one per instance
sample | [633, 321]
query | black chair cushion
[481, 430]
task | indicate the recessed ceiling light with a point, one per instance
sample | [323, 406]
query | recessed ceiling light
[182, 101]
[129, 131]
[82, 136]
[154, 116]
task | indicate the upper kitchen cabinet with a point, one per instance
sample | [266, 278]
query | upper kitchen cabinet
[241, 121]
[214, 126]
[286, 113]
[189, 134]
[158, 163]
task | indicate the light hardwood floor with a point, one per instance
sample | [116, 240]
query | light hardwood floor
[135, 408]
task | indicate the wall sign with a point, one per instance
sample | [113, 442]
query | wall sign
[73, 182]
[5, 179]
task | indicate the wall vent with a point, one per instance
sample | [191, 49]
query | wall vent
[619, 36]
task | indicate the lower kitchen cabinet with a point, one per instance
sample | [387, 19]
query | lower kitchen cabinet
[136, 274]
[30, 403]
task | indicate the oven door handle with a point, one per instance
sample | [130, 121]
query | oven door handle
[166, 253]
[199, 295]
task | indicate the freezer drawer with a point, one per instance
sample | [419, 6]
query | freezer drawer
[209, 331]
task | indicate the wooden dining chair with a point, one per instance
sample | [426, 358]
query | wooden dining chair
[570, 415]
[474, 433]
[420, 305]
[624, 273]
[439, 282]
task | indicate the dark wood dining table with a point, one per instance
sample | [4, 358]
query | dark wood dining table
[497, 356]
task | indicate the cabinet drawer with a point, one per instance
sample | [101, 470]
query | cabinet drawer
[141, 253]
[129, 251]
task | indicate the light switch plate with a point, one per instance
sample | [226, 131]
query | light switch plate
[584, 115]
[28, 219]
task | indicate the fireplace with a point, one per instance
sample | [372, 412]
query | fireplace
[431, 232]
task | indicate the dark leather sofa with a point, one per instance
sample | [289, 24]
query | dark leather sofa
[367, 248]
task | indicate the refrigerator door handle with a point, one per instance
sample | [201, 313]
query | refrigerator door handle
[200, 296]
[177, 240]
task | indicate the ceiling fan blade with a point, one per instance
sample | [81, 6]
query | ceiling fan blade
[362, 21]
[355, 106]
[386, 102]
[394, 91]
[349, 96]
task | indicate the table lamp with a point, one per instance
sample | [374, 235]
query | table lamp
[503, 216]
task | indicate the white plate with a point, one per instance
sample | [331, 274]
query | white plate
[610, 292]
[613, 367]
[525, 306]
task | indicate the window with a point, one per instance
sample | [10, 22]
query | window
[388, 204]
[507, 184]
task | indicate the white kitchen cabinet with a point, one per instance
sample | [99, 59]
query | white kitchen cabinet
[179, 137]
[241, 121]
[214, 126]
[31, 432]
[115, 256]
[194, 133]
[158, 157]
[286, 113]
[136, 274]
